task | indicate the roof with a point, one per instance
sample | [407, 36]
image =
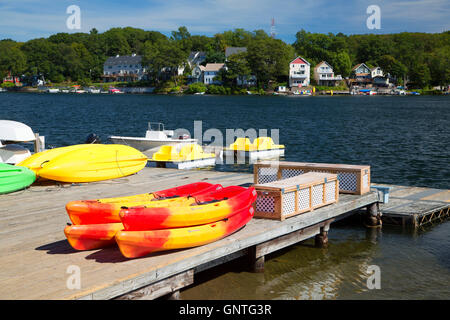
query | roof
[197, 55]
[323, 62]
[299, 60]
[214, 66]
[118, 60]
[358, 65]
[234, 50]
[202, 68]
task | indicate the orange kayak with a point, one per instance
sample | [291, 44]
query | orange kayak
[133, 244]
[107, 210]
[92, 236]
[207, 208]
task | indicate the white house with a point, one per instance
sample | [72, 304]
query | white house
[123, 68]
[376, 72]
[210, 72]
[194, 59]
[299, 73]
[197, 74]
[324, 74]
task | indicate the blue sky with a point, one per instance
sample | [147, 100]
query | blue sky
[22, 20]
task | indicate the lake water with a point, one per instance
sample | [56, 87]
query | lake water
[406, 141]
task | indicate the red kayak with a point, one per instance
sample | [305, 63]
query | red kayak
[207, 208]
[92, 236]
[133, 244]
[107, 210]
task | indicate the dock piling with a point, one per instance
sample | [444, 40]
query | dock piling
[373, 216]
[321, 239]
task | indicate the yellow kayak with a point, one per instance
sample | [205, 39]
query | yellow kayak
[87, 163]
[36, 161]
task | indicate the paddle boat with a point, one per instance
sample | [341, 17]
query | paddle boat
[182, 156]
[261, 148]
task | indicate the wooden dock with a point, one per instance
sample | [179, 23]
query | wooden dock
[36, 261]
[415, 206]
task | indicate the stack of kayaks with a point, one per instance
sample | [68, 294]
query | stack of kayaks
[86, 162]
[182, 217]
[13, 178]
[182, 156]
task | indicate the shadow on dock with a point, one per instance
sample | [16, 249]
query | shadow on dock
[58, 247]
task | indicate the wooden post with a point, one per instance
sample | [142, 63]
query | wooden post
[321, 239]
[174, 295]
[37, 143]
[256, 263]
[373, 217]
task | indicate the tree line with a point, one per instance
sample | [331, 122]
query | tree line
[420, 59]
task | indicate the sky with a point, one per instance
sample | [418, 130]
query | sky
[22, 20]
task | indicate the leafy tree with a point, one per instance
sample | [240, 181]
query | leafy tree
[12, 59]
[236, 66]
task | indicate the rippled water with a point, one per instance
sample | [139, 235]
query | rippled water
[405, 140]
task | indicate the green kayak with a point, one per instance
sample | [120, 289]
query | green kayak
[13, 178]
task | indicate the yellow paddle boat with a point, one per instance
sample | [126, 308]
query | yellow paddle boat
[261, 148]
[185, 156]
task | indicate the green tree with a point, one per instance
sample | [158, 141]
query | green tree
[236, 66]
[12, 59]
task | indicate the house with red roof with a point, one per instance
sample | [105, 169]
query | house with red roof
[299, 73]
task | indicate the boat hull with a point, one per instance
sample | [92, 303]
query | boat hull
[107, 210]
[87, 163]
[94, 236]
[13, 178]
[148, 146]
[208, 208]
[134, 244]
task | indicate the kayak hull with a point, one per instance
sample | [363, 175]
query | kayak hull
[14, 178]
[89, 237]
[107, 210]
[86, 163]
[153, 218]
[134, 244]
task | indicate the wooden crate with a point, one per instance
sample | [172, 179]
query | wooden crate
[353, 179]
[289, 197]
